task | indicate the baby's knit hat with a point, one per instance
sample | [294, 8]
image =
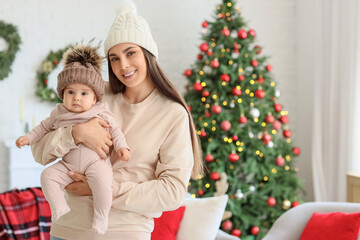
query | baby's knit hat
[129, 27]
[82, 65]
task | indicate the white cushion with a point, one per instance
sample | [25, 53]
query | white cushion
[221, 235]
[202, 218]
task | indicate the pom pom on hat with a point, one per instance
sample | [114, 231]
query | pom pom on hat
[129, 27]
[127, 6]
[82, 65]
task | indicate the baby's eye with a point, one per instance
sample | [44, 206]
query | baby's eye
[70, 92]
[84, 93]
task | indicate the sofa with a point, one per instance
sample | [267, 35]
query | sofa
[25, 214]
[293, 222]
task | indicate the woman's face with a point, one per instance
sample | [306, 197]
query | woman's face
[128, 64]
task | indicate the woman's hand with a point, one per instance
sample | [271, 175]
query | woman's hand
[80, 186]
[93, 135]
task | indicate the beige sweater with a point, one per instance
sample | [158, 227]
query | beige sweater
[154, 180]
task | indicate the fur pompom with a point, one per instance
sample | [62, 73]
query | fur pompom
[127, 6]
[84, 54]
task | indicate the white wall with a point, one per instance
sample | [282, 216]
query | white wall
[46, 25]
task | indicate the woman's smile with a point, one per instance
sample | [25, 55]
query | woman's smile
[129, 75]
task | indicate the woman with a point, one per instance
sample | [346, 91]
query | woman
[157, 126]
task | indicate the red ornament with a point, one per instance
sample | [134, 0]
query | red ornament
[261, 80]
[259, 93]
[187, 72]
[207, 114]
[236, 48]
[209, 53]
[233, 157]
[199, 56]
[269, 68]
[258, 48]
[209, 158]
[287, 133]
[227, 225]
[254, 63]
[200, 192]
[216, 109]
[241, 78]
[242, 119]
[189, 107]
[296, 150]
[215, 176]
[204, 24]
[236, 92]
[45, 81]
[203, 134]
[197, 86]
[277, 107]
[271, 201]
[225, 125]
[204, 47]
[225, 77]
[276, 125]
[295, 204]
[214, 63]
[252, 32]
[255, 230]
[242, 34]
[280, 161]
[235, 138]
[266, 138]
[225, 32]
[236, 233]
[205, 93]
[269, 119]
[56, 62]
[284, 119]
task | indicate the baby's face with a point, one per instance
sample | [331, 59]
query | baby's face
[78, 98]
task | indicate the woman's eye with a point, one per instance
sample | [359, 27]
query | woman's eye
[131, 53]
[113, 59]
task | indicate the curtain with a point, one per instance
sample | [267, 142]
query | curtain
[336, 114]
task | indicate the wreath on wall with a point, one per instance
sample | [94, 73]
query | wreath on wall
[47, 66]
[11, 36]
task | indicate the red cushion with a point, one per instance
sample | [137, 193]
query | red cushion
[327, 226]
[168, 224]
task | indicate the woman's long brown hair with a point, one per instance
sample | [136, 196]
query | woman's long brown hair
[163, 84]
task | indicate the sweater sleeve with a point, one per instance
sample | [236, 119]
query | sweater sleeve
[117, 135]
[173, 170]
[40, 130]
[53, 145]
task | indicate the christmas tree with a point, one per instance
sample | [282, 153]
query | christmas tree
[243, 128]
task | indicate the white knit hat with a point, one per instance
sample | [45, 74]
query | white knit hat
[129, 27]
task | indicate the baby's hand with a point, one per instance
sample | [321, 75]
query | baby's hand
[22, 141]
[124, 154]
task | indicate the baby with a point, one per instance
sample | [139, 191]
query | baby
[81, 87]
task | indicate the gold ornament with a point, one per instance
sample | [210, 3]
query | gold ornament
[286, 204]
